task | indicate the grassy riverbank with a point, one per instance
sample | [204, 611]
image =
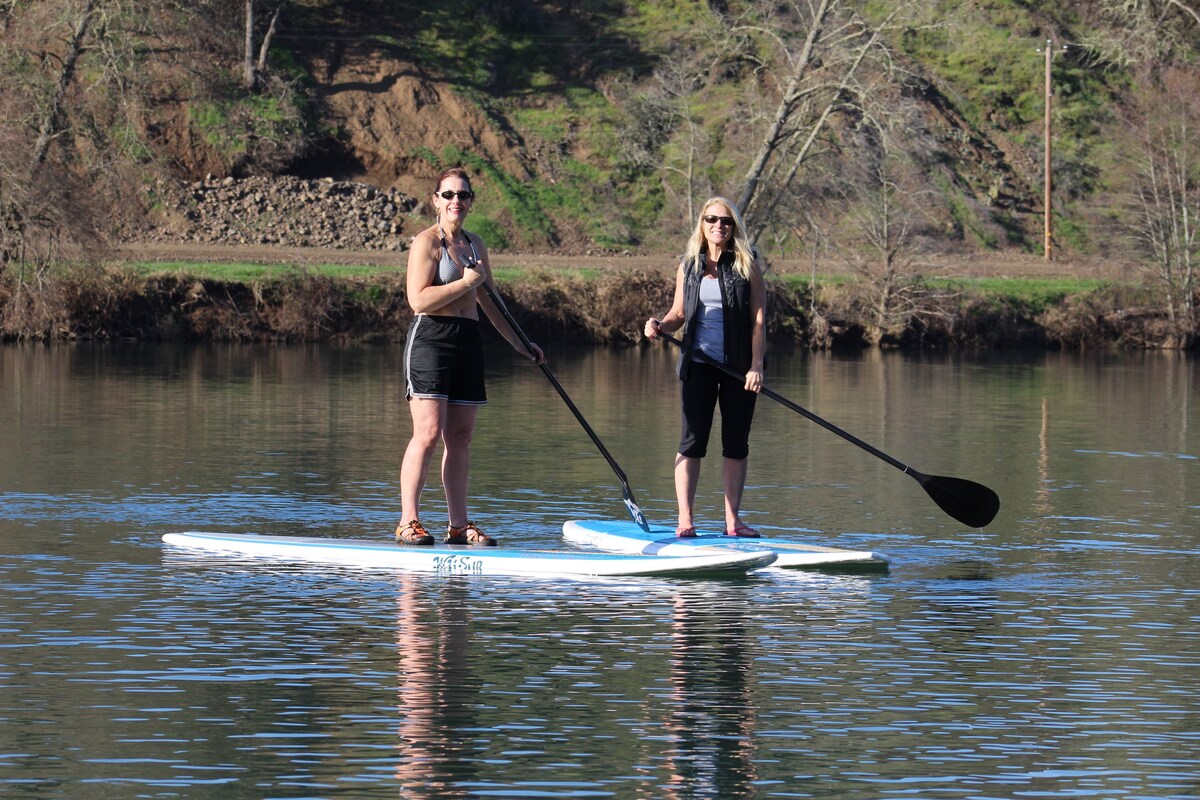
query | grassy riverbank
[245, 301]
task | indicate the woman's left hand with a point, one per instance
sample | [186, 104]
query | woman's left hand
[535, 353]
[754, 381]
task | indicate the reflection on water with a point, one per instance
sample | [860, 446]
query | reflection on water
[1053, 654]
[438, 690]
[709, 722]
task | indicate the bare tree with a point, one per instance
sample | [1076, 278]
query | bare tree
[1141, 32]
[249, 77]
[34, 104]
[7, 8]
[880, 226]
[52, 122]
[253, 67]
[810, 55]
[1157, 41]
[63, 94]
[889, 209]
[665, 130]
[678, 84]
[1164, 162]
[796, 65]
[12, 224]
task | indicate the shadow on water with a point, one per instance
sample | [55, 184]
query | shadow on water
[963, 571]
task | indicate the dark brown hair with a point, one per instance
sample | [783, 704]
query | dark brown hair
[453, 172]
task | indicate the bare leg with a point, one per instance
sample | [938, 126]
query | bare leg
[428, 419]
[456, 460]
[687, 475]
[733, 471]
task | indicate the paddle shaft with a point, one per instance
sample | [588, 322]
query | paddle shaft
[969, 502]
[635, 510]
[829, 426]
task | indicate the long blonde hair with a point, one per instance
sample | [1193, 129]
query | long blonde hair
[743, 256]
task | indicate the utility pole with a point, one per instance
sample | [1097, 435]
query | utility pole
[1046, 182]
[1046, 247]
[1046, 165]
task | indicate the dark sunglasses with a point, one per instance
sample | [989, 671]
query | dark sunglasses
[709, 219]
[465, 194]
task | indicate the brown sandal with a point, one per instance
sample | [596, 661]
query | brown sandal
[413, 533]
[468, 534]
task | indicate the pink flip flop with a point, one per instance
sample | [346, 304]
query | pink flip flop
[743, 532]
[686, 533]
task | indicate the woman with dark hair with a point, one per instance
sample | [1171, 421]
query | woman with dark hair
[443, 359]
[720, 303]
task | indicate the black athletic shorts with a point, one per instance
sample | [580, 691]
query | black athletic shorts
[443, 360]
[707, 387]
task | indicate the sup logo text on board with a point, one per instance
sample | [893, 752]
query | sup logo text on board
[457, 565]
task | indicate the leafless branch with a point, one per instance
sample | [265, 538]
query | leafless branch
[52, 121]
[265, 48]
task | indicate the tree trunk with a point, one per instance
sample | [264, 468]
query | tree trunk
[792, 95]
[249, 75]
[270, 34]
[52, 122]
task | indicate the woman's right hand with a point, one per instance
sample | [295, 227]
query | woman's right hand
[652, 327]
[473, 276]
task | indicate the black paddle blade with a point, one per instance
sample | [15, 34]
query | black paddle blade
[972, 504]
[636, 512]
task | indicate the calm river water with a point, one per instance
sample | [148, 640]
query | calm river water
[1055, 654]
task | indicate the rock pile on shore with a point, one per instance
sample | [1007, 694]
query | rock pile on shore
[288, 212]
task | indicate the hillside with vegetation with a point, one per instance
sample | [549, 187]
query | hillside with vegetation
[870, 138]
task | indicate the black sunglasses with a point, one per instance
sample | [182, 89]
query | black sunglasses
[709, 219]
[465, 194]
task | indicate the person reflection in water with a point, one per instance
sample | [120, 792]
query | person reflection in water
[710, 719]
[443, 359]
[720, 303]
[437, 691]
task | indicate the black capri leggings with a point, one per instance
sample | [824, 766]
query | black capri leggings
[705, 387]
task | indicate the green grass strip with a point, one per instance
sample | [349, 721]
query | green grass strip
[245, 272]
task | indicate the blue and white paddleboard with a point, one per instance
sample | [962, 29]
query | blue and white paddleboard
[466, 560]
[626, 537]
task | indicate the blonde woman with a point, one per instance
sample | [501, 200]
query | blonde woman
[720, 303]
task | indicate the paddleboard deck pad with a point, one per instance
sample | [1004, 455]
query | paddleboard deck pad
[626, 537]
[467, 560]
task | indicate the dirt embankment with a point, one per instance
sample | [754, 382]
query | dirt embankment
[392, 119]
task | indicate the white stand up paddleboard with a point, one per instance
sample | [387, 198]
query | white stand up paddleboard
[626, 537]
[466, 560]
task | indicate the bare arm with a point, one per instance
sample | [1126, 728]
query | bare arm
[758, 332]
[674, 318]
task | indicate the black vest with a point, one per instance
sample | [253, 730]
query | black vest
[735, 302]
